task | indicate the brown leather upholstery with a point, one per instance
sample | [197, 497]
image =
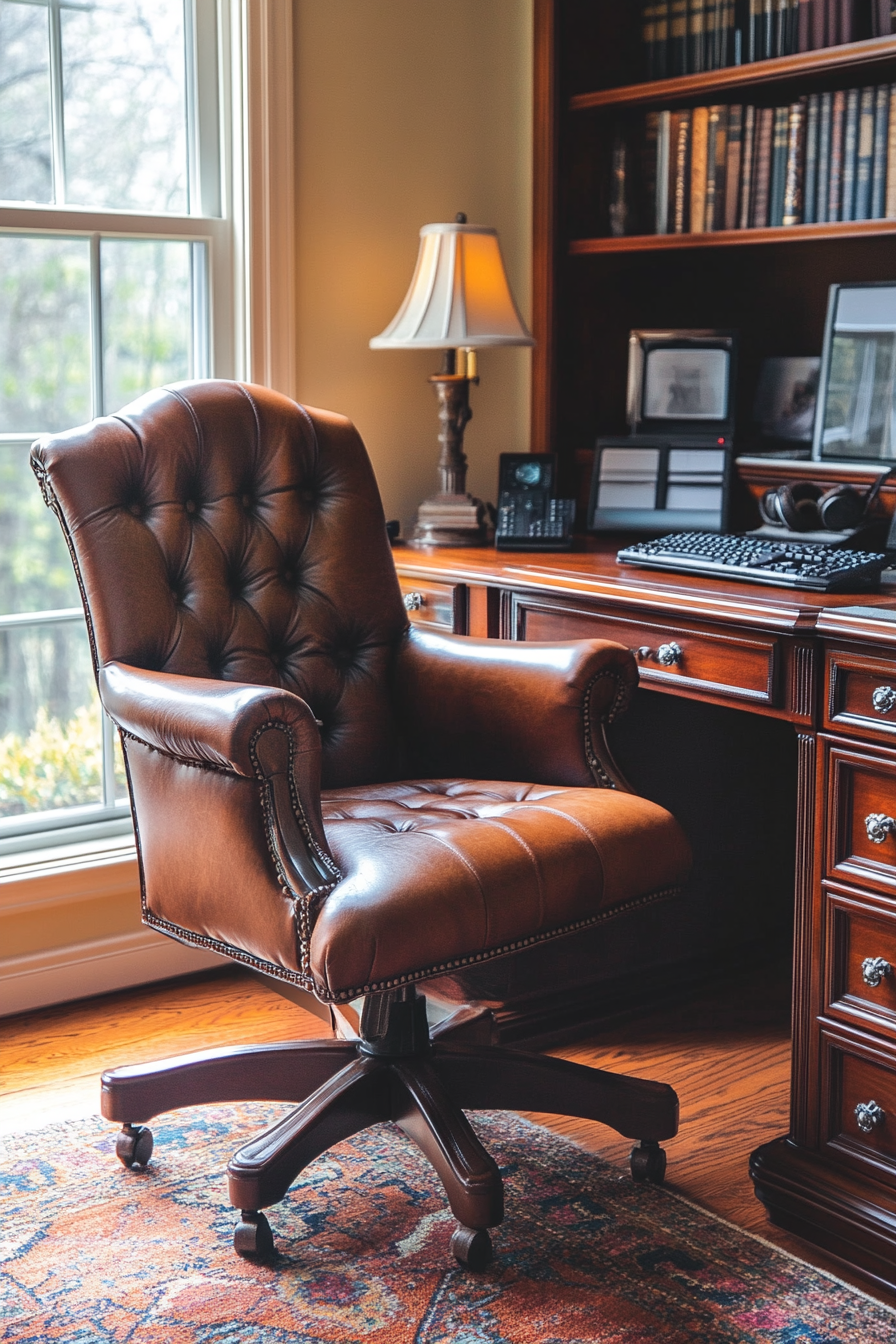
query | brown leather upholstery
[305, 769]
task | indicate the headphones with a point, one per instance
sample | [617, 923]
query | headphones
[804, 507]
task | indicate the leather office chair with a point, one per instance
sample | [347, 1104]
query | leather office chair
[314, 793]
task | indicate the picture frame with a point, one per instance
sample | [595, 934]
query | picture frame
[786, 400]
[855, 417]
[681, 382]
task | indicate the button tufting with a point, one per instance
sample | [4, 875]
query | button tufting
[136, 509]
[190, 506]
[247, 501]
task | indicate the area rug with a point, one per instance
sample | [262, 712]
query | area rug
[92, 1252]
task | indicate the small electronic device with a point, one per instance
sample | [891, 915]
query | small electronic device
[648, 483]
[530, 517]
[854, 413]
[793, 564]
[681, 383]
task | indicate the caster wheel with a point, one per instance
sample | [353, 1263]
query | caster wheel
[133, 1147]
[252, 1236]
[471, 1247]
[648, 1162]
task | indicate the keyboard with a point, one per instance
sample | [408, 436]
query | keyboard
[790, 564]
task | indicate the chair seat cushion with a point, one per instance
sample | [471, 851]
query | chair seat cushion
[441, 873]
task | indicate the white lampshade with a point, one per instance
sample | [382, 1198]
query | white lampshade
[459, 295]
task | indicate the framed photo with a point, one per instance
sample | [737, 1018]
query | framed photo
[856, 414]
[681, 382]
[786, 396]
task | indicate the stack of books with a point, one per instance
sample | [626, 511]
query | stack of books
[826, 157]
[684, 37]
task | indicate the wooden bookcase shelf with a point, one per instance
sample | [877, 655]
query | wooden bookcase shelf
[858, 58]
[770, 285]
[795, 233]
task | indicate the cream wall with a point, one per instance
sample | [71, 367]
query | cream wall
[406, 112]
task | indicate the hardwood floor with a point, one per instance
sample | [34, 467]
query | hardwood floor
[726, 1052]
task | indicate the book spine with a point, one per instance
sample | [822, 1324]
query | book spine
[741, 37]
[879, 153]
[803, 28]
[755, 34]
[678, 37]
[864, 155]
[699, 136]
[778, 169]
[845, 20]
[762, 167]
[832, 23]
[712, 169]
[850, 148]
[710, 33]
[780, 27]
[696, 22]
[825, 117]
[890, 197]
[810, 160]
[732, 165]
[617, 187]
[648, 37]
[661, 39]
[680, 198]
[768, 29]
[747, 157]
[819, 26]
[661, 219]
[835, 175]
[795, 7]
[792, 212]
[718, 218]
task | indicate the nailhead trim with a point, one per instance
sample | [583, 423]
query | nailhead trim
[620, 702]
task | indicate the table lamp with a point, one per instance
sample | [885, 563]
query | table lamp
[459, 300]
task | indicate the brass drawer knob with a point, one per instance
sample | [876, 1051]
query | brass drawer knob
[884, 699]
[874, 969]
[413, 601]
[879, 826]
[667, 654]
[869, 1115]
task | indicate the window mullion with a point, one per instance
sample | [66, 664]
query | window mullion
[97, 393]
[54, 19]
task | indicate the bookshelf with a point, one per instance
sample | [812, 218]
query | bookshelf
[590, 289]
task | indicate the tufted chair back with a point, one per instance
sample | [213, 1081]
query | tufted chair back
[220, 530]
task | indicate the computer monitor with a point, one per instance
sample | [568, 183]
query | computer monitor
[855, 416]
[681, 383]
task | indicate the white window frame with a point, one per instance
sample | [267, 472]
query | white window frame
[243, 189]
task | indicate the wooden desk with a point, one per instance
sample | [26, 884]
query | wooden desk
[800, 659]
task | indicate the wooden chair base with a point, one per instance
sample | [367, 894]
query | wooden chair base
[402, 1074]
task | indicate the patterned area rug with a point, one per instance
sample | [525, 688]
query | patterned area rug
[92, 1252]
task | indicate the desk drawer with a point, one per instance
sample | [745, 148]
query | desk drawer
[861, 826]
[860, 1084]
[861, 693]
[435, 606]
[860, 960]
[732, 666]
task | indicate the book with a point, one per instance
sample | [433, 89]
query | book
[825, 114]
[755, 33]
[803, 26]
[718, 219]
[846, 21]
[679, 171]
[762, 158]
[711, 19]
[864, 154]
[648, 36]
[661, 39]
[715, 181]
[734, 148]
[699, 136]
[850, 146]
[661, 214]
[618, 204]
[835, 171]
[890, 195]
[792, 211]
[879, 151]
[696, 17]
[768, 29]
[678, 35]
[818, 25]
[741, 32]
[810, 160]
[748, 148]
[778, 168]
[779, 34]
[881, 18]
[832, 23]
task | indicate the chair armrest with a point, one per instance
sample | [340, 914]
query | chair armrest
[483, 708]
[260, 733]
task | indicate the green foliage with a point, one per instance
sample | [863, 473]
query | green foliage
[55, 765]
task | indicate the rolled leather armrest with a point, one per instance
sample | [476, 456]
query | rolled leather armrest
[488, 708]
[260, 733]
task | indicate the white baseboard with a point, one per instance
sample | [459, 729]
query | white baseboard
[81, 970]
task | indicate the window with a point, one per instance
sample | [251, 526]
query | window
[116, 266]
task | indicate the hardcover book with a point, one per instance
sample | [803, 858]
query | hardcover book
[661, 39]
[850, 149]
[778, 168]
[678, 37]
[734, 148]
[792, 212]
[662, 172]
[682, 125]
[810, 160]
[835, 176]
[699, 144]
[696, 23]
[890, 199]
[762, 167]
[748, 154]
[864, 154]
[879, 151]
[825, 114]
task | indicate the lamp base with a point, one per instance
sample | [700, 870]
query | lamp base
[451, 520]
